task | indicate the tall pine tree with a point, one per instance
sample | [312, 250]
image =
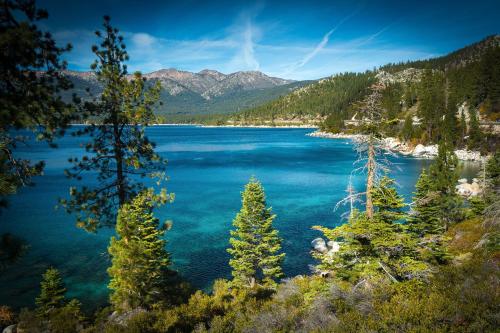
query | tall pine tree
[425, 220]
[444, 175]
[139, 260]
[255, 244]
[119, 150]
[425, 210]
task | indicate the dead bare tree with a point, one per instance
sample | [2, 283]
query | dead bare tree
[352, 198]
[373, 114]
[370, 148]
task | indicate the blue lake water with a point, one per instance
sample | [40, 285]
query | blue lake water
[304, 177]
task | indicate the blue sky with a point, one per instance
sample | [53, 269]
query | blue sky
[289, 39]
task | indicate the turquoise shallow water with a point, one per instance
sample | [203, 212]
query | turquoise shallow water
[303, 177]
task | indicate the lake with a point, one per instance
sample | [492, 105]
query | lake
[304, 177]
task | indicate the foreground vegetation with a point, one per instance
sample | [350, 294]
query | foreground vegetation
[430, 268]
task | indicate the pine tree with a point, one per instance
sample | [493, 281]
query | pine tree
[52, 293]
[431, 102]
[374, 247]
[475, 135]
[28, 99]
[119, 150]
[387, 201]
[451, 126]
[139, 260]
[407, 130]
[444, 174]
[425, 221]
[492, 186]
[255, 244]
[425, 211]
[462, 128]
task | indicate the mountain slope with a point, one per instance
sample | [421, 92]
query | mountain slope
[470, 73]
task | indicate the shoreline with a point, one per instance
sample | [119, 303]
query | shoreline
[395, 145]
[222, 126]
[261, 126]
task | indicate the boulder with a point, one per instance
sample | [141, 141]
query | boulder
[10, 329]
[468, 190]
[392, 144]
[425, 151]
[462, 181]
[319, 245]
[463, 189]
[333, 246]
[475, 189]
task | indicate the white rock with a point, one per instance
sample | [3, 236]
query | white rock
[468, 190]
[463, 189]
[425, 151]
[468, 155]
[475, 189]
[419, 150]
[462, 181]
[319, 245]
[333, 246]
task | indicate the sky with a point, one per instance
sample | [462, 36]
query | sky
[289, 39]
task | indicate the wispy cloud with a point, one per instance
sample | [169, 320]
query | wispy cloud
[316, 50]
[245, 33]
[248, 47]
[319, 47]
[247, 44]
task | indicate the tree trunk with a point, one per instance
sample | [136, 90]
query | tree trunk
[370, 178]
[120, 179]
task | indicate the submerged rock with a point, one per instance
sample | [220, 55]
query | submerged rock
[319, 245]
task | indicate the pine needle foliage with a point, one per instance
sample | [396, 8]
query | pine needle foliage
[51, 294]
[139, 261]
[374, 248]
[119, 151]
[31, 83]
[255, 244]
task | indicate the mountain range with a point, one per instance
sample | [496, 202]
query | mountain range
[205, 92]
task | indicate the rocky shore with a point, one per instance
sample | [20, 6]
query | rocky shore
[395, 145]
[262, 126]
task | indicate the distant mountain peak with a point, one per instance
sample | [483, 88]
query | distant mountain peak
[207, 83]
[210, 72]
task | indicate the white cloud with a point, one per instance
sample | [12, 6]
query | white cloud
[248, 47]
[143, 40]
[316, 50]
